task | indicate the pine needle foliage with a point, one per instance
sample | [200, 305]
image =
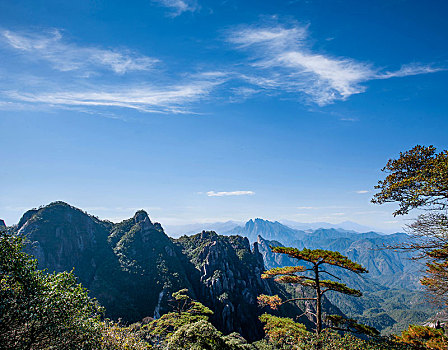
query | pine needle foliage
[321, 256]
[418, 179]
[350, 325]
[317, 257]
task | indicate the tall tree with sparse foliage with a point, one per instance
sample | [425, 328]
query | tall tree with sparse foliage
[297, 275]
[418, 179]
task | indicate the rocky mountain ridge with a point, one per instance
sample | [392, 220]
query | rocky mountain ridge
[132, 267]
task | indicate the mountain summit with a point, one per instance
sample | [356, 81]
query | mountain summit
[267, 229]
[133, 267]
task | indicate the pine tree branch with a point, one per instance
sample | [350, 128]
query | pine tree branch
[294, 299]
[323, 271]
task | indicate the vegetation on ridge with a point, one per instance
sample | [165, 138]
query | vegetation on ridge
[72, 320]
[50, 311]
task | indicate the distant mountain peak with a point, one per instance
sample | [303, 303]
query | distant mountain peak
[141, 216]
[272, 230]
[259, 221]
[208, 235]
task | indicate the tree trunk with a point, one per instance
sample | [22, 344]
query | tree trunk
[318, 300]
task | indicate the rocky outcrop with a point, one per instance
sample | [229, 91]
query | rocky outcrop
[126, 266]
[63, 238]
[133, 267]
[154, 266]
[230, 279]
[271, 259]
[439, 320]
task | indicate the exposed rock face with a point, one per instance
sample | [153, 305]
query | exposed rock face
[64, 238]
[229, 275]
[151, 260]
[2, 224]
[132, 267]
[271, 259]
[125, 266]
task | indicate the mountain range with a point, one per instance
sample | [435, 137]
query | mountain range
[132, 267]
[392, 296]
[226, 226]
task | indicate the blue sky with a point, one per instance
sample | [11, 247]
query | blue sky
[216, 110]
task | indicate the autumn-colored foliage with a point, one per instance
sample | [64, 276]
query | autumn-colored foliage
[272, 301]
[424, 337]
[418, 179]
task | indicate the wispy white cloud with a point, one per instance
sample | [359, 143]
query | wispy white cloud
[281, 58]
[178, 7]
[145, 98]
[231, 193]
[409, 70]
[84, 78]
[276, 36]
[362, 191]
[66, 56]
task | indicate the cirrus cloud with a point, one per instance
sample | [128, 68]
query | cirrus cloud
[230, 193]
[280, 58]
[65, 56]
[144, 98]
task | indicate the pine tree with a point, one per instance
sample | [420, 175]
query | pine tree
[418, 179]
[297, 275]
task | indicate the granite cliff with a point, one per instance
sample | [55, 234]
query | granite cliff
[132, 267]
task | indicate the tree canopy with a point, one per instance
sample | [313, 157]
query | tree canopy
[418, 179]
[41, 310]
